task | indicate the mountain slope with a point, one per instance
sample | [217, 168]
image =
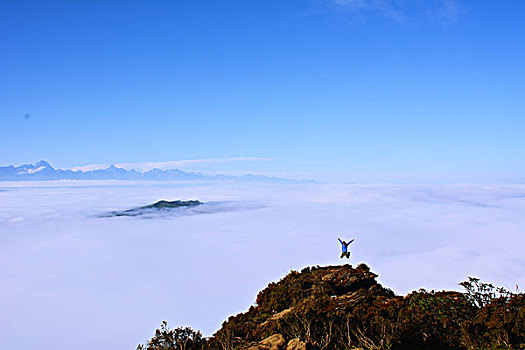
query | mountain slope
[341, 307]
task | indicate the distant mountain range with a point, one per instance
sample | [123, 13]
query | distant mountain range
[42, 170]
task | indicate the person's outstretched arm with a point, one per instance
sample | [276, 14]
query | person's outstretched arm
[351, 241]
[340, 240]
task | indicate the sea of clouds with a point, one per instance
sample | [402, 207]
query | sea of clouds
[74, 280]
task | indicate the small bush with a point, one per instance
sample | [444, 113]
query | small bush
[180, 338]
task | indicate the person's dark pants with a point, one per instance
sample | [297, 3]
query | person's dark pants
[347, 254]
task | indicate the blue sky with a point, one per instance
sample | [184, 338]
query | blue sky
[346, 90]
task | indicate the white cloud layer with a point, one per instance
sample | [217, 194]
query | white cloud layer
[73, 280]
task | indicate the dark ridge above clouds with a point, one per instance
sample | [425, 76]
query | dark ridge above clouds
[177, 208]
[151, 208]
[42, 171]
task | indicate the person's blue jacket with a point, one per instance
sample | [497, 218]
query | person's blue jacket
[344, 245]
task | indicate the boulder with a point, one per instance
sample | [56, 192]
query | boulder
[274, 342]
[297, 344]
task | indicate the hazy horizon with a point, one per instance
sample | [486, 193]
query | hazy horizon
[220, 166]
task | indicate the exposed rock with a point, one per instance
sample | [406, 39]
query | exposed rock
[297, 344]
[277, 316]
[280, 314]
[274, 342]
[351, 297]
[327, 277]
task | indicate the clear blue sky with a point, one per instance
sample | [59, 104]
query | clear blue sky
[356, 89]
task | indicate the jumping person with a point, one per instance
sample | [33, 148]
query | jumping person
[344, 248]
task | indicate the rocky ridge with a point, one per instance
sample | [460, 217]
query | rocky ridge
[342, 307]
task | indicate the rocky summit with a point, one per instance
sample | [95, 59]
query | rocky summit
[297, 307]
[342, 307]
